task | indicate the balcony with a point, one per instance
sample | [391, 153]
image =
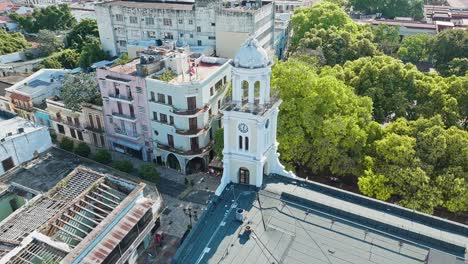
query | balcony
[198, 131]
[24, 107]
[124, 117]
[255, 108]
[66, 122]
[187, 152]
[195, 111]
[126, 134]
[95, 129]
[121, 98]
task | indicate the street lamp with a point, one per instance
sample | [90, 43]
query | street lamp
[191, 213]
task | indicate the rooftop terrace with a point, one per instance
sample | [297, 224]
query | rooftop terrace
[38, 82]
[294, 221]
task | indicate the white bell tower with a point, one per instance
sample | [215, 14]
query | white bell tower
[250, 120]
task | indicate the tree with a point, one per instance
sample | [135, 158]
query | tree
[219, 143]
[123, 59]
[457, 66]
[389, 82]
[57, 17]
[67, 59]
[323, 125]
[448, 45]
[148, 172]
[79, 89]
[414, 48]
[77, 38]
[420, 163]
[321, 15]
[123, 165]
[92, 52]
[390, 8]
[66, 144]
[103, 156]
[49, 42]
[328, 33]
[50, 63]
[387, 38]
[12, 42]
[82, 149]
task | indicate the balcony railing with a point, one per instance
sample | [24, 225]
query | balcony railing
[120, 132]
[24, 107]
[123, 116]
[196, 131]
[244, 106]
[95, 129]
[187, 152]
[192, 111]
[121, 97]
[66, 122]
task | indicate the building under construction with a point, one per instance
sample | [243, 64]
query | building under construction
[89, 213]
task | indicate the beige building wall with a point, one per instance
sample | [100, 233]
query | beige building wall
[228, 43]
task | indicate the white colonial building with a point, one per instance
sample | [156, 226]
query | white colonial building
[216, 28]
[184, 106]
[20, 141]
[250, 120]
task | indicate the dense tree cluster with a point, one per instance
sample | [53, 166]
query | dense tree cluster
[390, 8]
[420, 162]
[67, 59]
[327, 32]
[349, 110]
[12, 42]
[79, 89]
[80, 34]
[326, 126]
[56, 17]
[323, 123]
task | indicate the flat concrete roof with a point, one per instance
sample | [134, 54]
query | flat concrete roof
[309, 223]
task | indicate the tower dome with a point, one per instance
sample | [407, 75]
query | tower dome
[251, 55]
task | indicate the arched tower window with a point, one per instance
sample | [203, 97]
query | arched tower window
[245, 90]
[240, 142]
[246, 143]
[257, 89]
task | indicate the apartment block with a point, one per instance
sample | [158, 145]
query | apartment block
[184, 107]
[30, 94]
[81, 126]
[218, 28]
[125, 110]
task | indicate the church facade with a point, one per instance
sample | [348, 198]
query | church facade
[250, 120]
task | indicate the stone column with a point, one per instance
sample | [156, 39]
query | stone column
[251, 91]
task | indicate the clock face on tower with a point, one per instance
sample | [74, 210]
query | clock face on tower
[243, 128]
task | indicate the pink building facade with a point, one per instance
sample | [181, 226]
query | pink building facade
[125, 109]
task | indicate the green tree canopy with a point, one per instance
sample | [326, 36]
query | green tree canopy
[323, 125]
[56, 17]
[13, 42]
[326, 31]
[457, 66]
[49, 42]
[67, 59]
[421, 163]
[414, 48]
[387, 38]
[91, 53]
[219, 143]
[79, 89]
[390, 8]
[77, 38]
[448, 45]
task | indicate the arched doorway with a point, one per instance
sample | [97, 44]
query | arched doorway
[195, 165]
[172, 162]
[244, 176]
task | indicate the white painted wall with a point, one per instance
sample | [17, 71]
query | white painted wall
[22, 147]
